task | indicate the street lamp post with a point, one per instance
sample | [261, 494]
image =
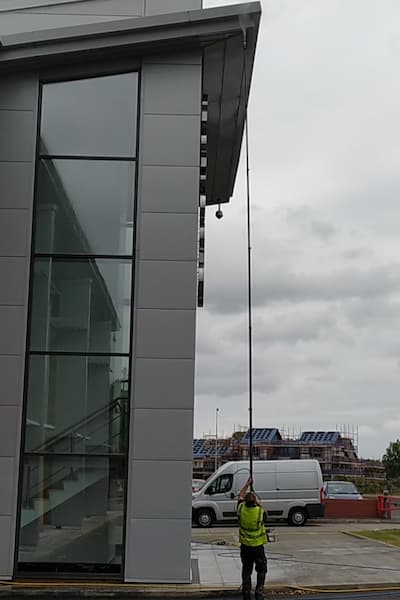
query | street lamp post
[216, 439]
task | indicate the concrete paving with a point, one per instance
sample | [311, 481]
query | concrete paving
[312, 556]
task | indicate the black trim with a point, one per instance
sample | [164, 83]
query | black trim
[84, 454]
[132, 319]
[59, 353]
[274, 513]
[63, 256]
[70, 570]
[315, 511]
[87, 157]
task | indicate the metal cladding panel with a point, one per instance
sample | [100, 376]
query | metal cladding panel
[159, 551]
[169, 189]
[17, 135]
[14, 230]
[165, 333]
[170, 432]
[8, 473]
[154, 7]
[6, 534]
[13, 270]
[123, 8]
[7, 5]
[175, 90]
[16, 184]
[166, 284]
[9, 419]
[165, 319]
[164, 383]
[171, 140]
[11, 377]
[18, 109]
[15, 23]
[168, 237]
[153, 476]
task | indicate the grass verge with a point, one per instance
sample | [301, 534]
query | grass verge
[389, 536]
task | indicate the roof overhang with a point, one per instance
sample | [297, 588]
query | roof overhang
[227, 36]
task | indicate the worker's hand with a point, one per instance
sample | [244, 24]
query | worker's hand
[250, 481]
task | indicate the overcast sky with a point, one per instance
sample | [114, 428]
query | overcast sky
[325, 152]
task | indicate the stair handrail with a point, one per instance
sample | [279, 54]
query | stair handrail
[72, 428]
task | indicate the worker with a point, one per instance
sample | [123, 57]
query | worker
[252, 537]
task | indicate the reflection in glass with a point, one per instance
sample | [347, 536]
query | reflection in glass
[84, 207]
[81, 305]
[77, 404]
[90, 117]
[72, 512]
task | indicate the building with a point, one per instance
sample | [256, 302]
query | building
[335, 451]
[120, 121]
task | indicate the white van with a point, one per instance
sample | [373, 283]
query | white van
[288, 489]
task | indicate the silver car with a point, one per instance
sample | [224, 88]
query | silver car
[341, 490]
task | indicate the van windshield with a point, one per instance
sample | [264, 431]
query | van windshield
[221, 485]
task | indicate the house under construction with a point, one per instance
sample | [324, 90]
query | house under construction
[336, 452]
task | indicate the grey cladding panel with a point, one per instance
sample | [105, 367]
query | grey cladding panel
[165, 333]
[18, 92]
[170, 432]
[8, 468]
[17, 135]
[168, 236]
[14, 232]
[15, 23]
[163, 542]
[172, 89]
[151, 477]
[9, 420]
[5, 545]
[13, 280]
[27, 4]
[155, 7]
[11, 377]
[166, 284]
[128, 8]
[16, 184]
[171, 140]
[163, 383]
[12, 330]
[169, 189]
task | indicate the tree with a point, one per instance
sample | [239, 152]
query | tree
[391, 460]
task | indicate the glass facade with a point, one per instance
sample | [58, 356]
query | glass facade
[77, 391]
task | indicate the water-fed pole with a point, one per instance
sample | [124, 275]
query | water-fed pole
[249, 277]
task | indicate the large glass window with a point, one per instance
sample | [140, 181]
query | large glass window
[84, 207]
[81, 305]
[77, 396]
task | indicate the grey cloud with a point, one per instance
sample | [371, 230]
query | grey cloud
[273, 285]
[304, 219]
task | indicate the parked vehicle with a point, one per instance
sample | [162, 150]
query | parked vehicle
[197, 484]
[341, 490]
[288, 489]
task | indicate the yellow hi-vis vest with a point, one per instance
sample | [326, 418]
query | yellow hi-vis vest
[251, 525]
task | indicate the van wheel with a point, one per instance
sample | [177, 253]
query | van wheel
[205, 517]
[297, 517]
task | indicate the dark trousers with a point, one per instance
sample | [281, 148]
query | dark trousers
[253, 556]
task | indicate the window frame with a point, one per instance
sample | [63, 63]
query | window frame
[93, 69]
